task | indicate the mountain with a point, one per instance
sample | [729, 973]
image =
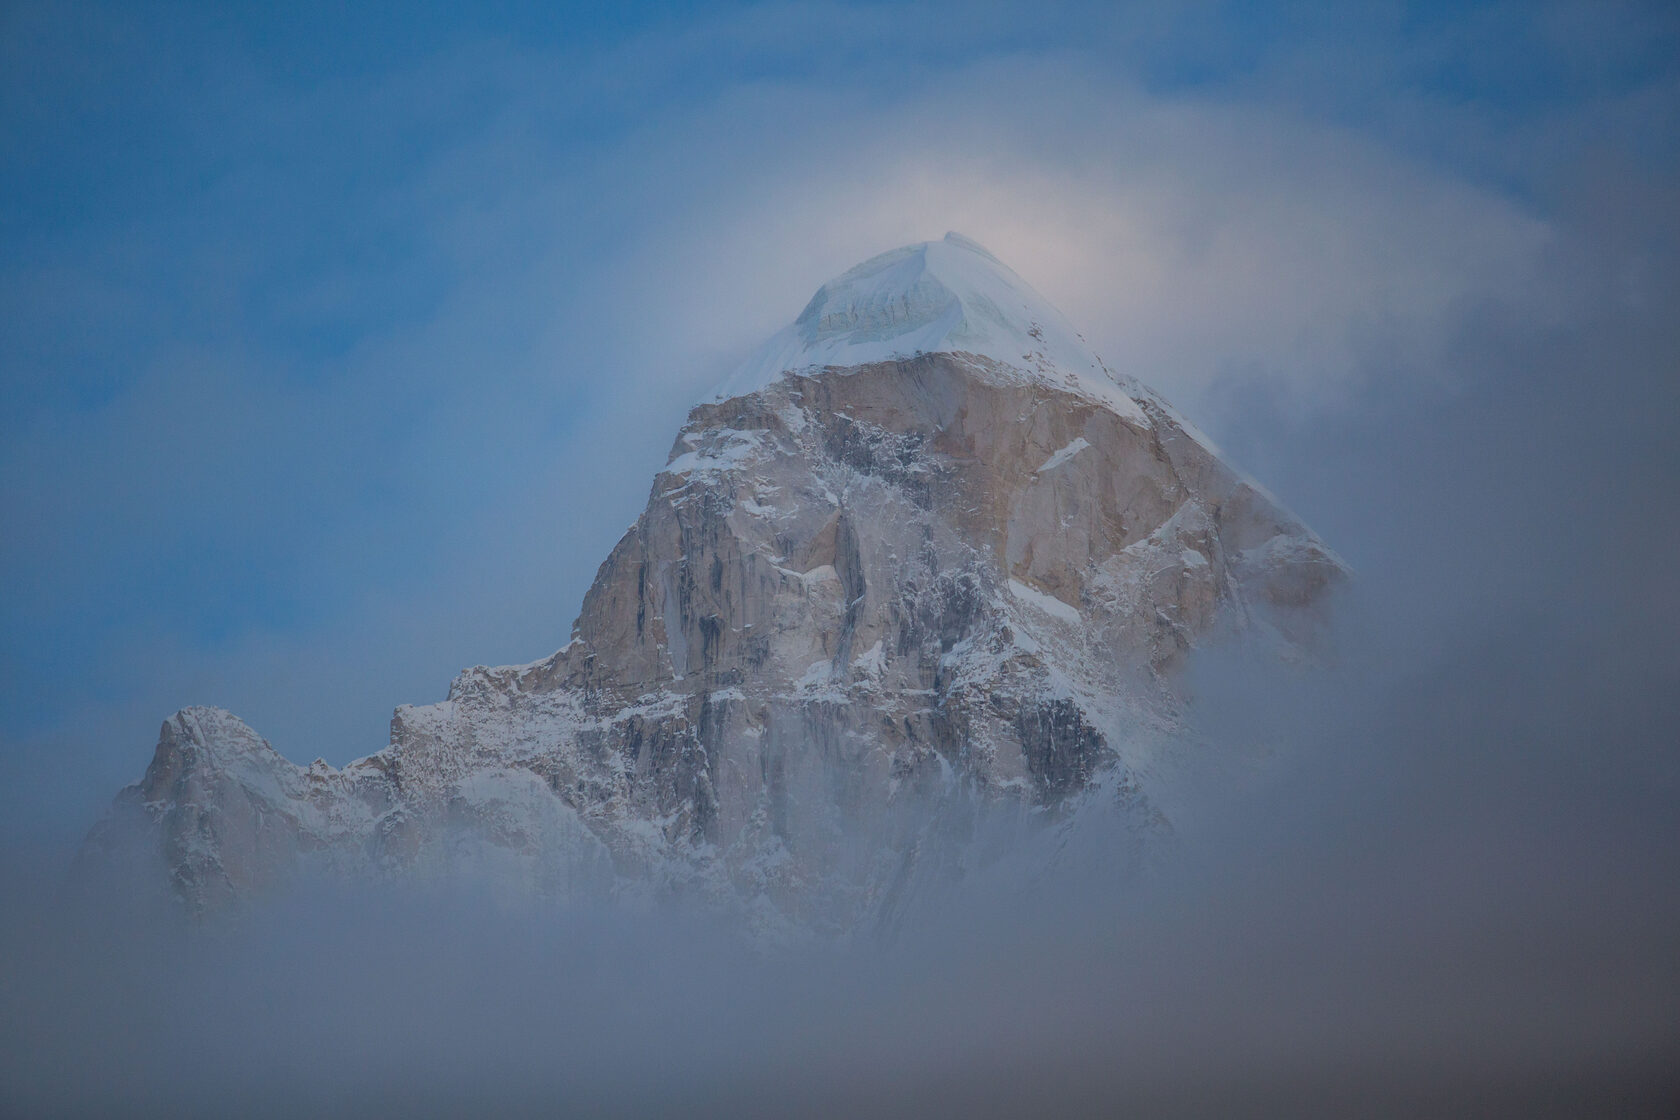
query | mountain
[914, 587]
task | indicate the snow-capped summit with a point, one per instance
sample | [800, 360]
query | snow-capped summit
[949, 296]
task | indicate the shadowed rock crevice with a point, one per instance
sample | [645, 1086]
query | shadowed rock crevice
[1063, 751]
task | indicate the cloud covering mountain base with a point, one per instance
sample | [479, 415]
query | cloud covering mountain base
[1451, 889]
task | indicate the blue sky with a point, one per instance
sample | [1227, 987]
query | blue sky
[338, 347]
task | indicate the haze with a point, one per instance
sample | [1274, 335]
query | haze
[337, 350]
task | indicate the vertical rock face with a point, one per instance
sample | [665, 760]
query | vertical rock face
[916, 585]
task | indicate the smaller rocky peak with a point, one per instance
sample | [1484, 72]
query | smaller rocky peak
[211, 730]
[205, 740]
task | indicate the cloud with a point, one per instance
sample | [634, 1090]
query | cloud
[1193, 242]
[365, 378]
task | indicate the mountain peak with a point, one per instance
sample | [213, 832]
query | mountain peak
[947, 296]
[877, 625]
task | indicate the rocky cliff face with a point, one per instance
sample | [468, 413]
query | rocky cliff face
[915, 587]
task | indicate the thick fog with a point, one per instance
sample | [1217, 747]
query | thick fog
[1439, 875]
[1441, 879]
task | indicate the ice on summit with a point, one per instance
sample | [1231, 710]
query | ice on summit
[949, 296]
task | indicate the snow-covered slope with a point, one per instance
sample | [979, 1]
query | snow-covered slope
[913, 590]
[949, 296]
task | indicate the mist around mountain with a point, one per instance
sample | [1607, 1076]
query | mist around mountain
[1412, 266]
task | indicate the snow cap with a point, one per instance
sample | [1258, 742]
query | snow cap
[949, 296]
